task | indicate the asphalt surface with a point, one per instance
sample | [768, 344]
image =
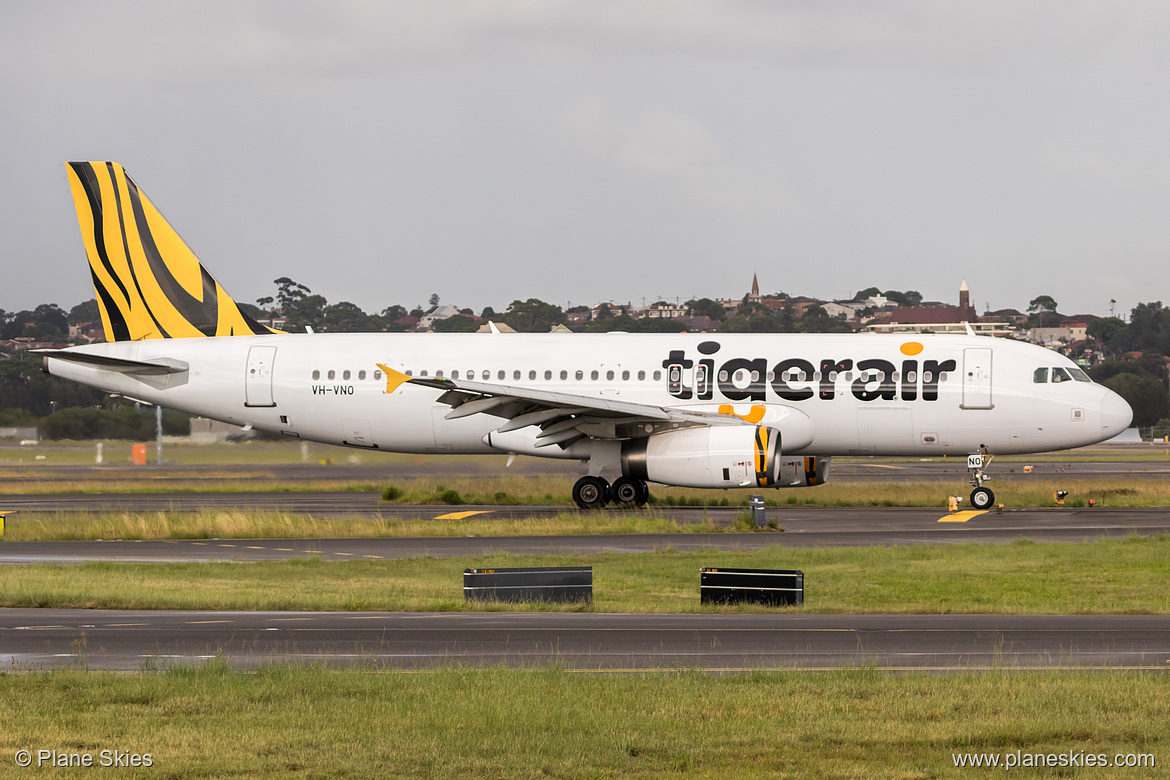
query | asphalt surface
[33, 639]
[810, 527]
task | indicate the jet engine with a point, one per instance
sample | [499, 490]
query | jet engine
[719, 456]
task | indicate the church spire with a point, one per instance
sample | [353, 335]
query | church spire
[755, 287]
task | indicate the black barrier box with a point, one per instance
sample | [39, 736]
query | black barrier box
[541, 583]
[778, 587]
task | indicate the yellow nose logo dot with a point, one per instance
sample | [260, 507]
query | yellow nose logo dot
[911, 348]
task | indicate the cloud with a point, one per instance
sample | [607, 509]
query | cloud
[147, 42]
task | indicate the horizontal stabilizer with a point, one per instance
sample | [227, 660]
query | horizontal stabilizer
[122, 365]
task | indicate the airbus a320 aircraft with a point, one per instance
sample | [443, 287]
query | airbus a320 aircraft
[694, 410]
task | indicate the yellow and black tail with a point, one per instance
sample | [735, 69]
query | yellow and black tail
[149, 284]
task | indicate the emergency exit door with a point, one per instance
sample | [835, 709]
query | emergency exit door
[258, 380]
[977, 378]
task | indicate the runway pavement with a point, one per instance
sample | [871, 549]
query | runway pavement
[808, 527]
[130, 640]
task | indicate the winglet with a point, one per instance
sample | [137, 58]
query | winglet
[394, 379]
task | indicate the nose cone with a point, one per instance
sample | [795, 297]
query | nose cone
[1115, 415]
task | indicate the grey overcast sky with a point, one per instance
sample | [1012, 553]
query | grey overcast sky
[378, 152]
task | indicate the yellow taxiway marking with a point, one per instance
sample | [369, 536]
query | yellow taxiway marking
[198, 622]
[962, 517]
[461, 515]
[285, 549]
[250, 547]
[341, 553]
[286, 620]
[379, 557]
[881, 466]
[119, 625]
[227, 545]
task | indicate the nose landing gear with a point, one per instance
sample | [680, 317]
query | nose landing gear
[595, 492]
[981, 497]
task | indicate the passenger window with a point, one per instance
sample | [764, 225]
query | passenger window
[423, 372]
[608, 375]
[316, 375]
[331, 374]
[722, 376]
[641, 376]
[515, 374]
[1040, 376]
[548, 375]
[625, 376]
[657, 376]
[531, 375]
[378, 374]
[345, 374]
[502, 375]
[362, 374]
[454, 374]
[1060, 375]
[564, 375]
[738, 377]
[755, 377]
[580, 375]
[439, 374]
[593, 375]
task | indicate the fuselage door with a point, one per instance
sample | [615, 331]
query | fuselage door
[258, 380]
[977, 378]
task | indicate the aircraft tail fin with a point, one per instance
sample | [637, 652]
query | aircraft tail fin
[149, 284]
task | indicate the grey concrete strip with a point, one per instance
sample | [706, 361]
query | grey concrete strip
[34, 639]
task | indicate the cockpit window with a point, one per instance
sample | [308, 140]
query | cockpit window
[1079, 375]
[1060, 375]
[1040, 376]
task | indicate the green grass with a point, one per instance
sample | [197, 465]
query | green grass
[240, 524]
[1130, 576]
[487, 723]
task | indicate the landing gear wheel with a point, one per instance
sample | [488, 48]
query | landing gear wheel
[628, 492]
[982, 498]
[591, 493]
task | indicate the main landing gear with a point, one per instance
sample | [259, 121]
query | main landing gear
[981, 497]
[595, 492]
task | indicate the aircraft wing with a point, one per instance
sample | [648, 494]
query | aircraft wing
[562, 417]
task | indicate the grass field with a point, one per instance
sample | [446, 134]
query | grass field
[487, 723]
[1129, 576]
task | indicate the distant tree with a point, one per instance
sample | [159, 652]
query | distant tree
[603, 312]
[867, 293]
[417, 311]
[309, 310]
[460, 323]
[705, 307]
[533, 316]
[1149, 327]
[816, 320]
[1145, 394]
[488, 313]
[86, 311]
[395, 312]
[289, 294]
[265, 301]
[344, 317]
[433, 300]
[1042, 303]
[1110, 333]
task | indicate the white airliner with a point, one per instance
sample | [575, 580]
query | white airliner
[696, 410]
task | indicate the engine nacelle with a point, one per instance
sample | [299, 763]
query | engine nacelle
[720, 457]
